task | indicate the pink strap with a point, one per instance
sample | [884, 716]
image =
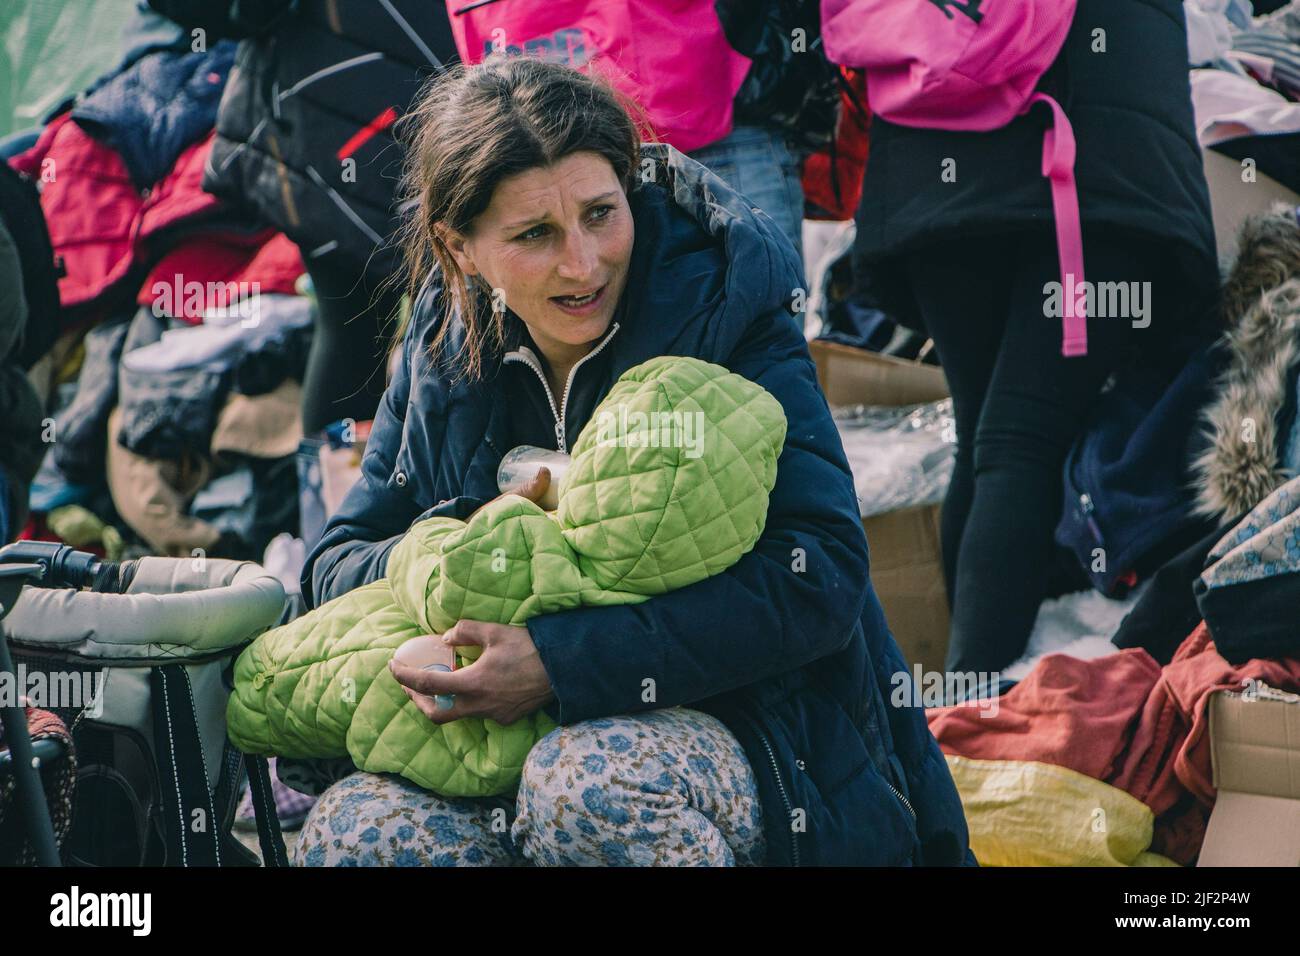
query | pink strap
[1058, 166]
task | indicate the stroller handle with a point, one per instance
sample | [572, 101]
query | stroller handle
[65, 566]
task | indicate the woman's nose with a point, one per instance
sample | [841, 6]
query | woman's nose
[579, 256]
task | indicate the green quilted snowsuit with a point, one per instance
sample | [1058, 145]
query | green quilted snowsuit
[668, 485]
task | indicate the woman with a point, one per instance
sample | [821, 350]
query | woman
[536, 199]
[955, 234]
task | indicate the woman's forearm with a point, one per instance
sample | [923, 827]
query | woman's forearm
[763, 616]
[340, 564]
[351, 554]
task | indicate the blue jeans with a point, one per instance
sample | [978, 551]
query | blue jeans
[757, 163]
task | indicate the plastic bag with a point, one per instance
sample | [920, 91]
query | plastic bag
[901, 457]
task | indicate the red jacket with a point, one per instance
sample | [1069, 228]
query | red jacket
[100, 226]
[106, 232]
[267, 261]
[832, 178]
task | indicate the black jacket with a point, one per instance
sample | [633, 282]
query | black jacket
[316, 83]
[1138, 164]
[797, 661]
[791, 86]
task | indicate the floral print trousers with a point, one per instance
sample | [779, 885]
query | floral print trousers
[666, 788]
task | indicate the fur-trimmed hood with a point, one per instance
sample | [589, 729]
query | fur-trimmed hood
[1261, 302]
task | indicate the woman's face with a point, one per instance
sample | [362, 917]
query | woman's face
[554, 244]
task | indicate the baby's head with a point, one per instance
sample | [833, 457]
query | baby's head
[670, 478]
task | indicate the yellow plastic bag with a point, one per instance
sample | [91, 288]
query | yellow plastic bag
[1025, 813]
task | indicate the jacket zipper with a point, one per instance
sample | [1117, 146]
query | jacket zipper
[525, 355]
[785, 798]
[902, 798]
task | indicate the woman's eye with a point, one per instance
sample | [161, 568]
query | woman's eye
[536, 232]
[601, 212]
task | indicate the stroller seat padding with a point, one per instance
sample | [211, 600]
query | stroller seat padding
[173, 608]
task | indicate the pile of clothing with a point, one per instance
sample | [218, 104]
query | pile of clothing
[169, 381]
[1105, 759]
[1246, 83]
[1120, 722]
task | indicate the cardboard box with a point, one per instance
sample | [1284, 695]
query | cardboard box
[1255, 749]
[852, 376]
[906, 560]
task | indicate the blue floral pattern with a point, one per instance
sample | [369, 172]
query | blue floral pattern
[669, 787]
[371, 819]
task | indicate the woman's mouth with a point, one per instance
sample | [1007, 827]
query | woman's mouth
[584, 304]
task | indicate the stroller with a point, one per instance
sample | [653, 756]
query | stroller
[135, 659]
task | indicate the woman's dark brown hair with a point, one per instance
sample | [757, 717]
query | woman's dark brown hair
[471, 128]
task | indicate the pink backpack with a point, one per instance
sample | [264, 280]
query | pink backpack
[670, 56]
[971, 65]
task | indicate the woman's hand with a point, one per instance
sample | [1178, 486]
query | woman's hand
[506, 683]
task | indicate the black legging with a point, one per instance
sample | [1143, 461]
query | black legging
[1019, 406]
[345, 369]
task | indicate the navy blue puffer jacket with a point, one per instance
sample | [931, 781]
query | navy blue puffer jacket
[789, 647]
